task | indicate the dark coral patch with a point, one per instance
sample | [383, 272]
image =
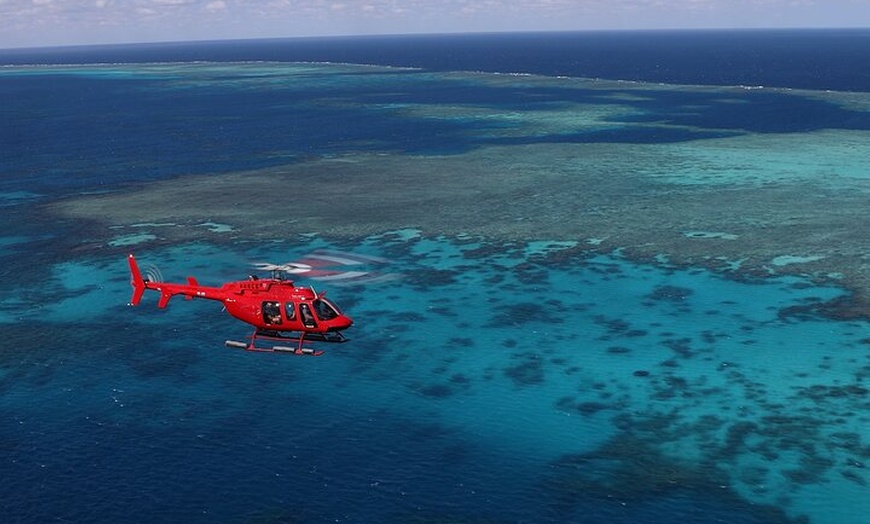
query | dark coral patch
[586, 408]
[459, 378]
[427, 277]
[444, 311]
[613, 325]
[462, 342]
[618, 327]
[528, 372]
[844, 439]
[680, 346]
[496, 278]
[670, 293]
[844, 308]
[590, 408]
[820, 393]
[514, 314]
[672, 387]
[436, 391]
[852, 475]
[530, 274]
[630, 470]
[523, 312]
[406, 316]
[488, 250]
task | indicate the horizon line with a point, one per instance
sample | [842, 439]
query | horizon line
[434, 34]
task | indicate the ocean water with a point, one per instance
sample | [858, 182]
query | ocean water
[612, 297]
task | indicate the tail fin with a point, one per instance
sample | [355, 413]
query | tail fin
[192, 283]
[136, 281]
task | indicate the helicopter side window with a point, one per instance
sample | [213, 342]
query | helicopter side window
[324, 310]
[272, 313]
[290, 310]
[307, 317]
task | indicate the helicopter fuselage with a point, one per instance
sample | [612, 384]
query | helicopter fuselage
[268, 304]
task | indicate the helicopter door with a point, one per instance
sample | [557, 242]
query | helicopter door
[307, 318]
[272, 313]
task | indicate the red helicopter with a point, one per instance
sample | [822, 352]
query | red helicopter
[278, 309]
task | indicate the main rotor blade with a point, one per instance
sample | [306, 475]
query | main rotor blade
[286, 268]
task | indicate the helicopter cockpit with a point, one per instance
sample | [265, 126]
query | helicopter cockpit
[323, 310]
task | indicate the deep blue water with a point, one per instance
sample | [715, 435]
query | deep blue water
[101, 129]
[112, 414]
[835, 59]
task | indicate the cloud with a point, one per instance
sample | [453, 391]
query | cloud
[49, 22]
[217, 5]
[173, 2]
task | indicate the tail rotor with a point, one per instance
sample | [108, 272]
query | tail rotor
[140, 281]
[152, 273]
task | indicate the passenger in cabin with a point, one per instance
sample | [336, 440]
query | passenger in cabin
[272, 312]
[307, 317]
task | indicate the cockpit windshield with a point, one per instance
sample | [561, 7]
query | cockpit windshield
[325, 309]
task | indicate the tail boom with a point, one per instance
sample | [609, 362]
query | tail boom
[168, 290]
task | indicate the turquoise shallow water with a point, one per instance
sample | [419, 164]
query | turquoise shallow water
[506, 382]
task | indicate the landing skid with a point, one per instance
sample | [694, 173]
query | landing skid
[299, 340]
[247, 346]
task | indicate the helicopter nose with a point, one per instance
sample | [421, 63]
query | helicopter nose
[345, 322]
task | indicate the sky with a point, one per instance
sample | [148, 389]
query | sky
[39, 23]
